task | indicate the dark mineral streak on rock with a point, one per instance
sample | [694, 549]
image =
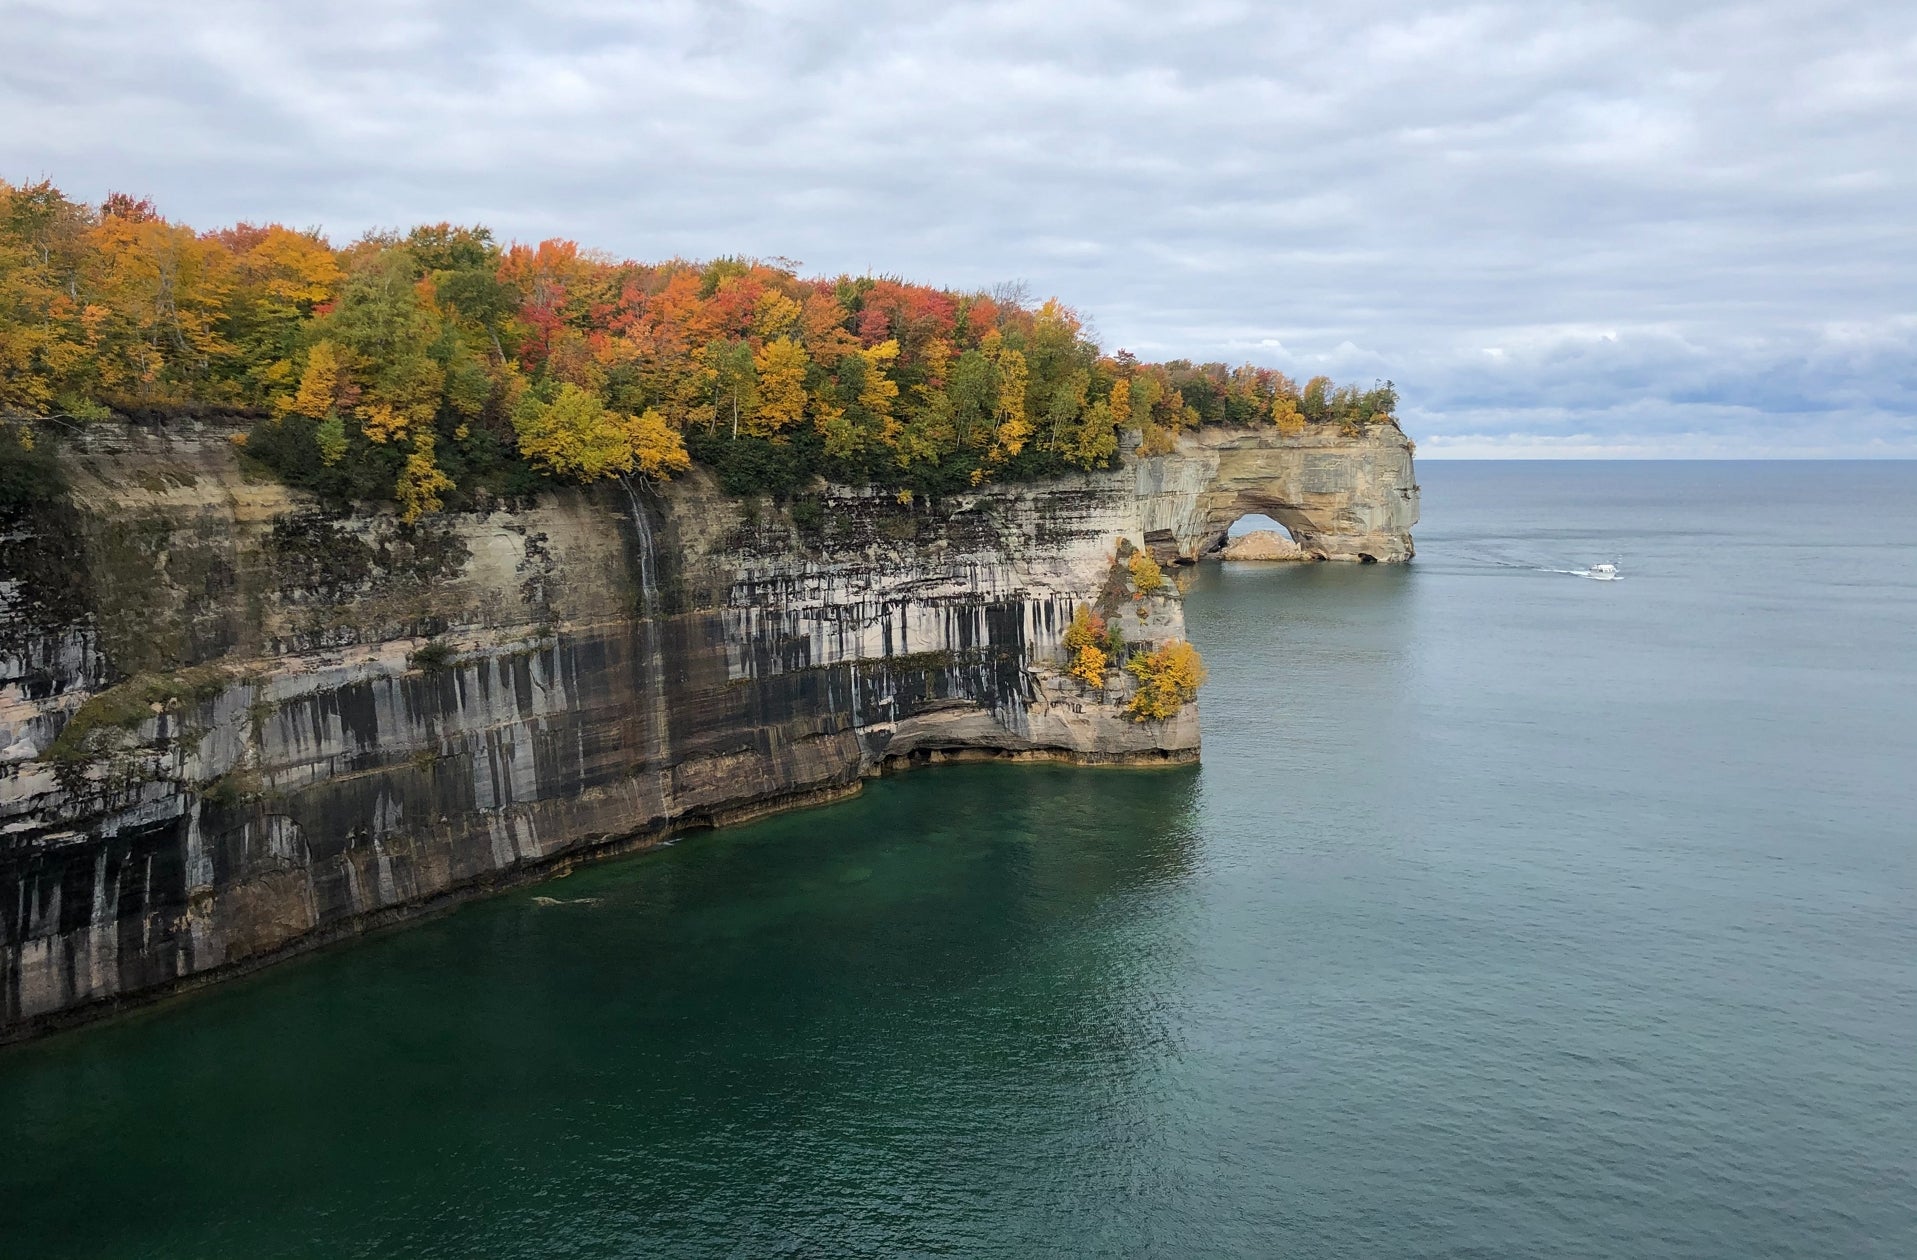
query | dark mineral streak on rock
[235, 724]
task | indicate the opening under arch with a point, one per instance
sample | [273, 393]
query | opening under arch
[1254, 535]
[1257, 523]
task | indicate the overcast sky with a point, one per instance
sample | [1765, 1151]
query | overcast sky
[1626, 229]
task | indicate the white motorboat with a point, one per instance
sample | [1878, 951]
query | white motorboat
[1603, 573]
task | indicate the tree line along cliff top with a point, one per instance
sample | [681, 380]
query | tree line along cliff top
[438, 367]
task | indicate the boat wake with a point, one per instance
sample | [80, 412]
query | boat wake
[1596, 573]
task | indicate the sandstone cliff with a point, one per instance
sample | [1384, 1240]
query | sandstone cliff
[1341, 497]
[233, 724]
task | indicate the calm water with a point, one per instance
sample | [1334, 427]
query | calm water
[1510, 914]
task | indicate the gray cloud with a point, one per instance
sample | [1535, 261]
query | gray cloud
[1630, 228]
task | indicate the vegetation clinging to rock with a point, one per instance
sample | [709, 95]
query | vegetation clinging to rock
[1167, 679]
[1146, 575]
[121, 708]
[1086, 646]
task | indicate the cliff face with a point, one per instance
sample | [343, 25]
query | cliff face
[233, 724]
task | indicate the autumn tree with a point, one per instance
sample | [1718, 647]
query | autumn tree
[1315, 404]
[573, 435]
[48, 331]
[781, 366]
[1167, 679]
[281, 278]
[157, 324]
[442, 356]
[1085, 645]
[1011, 423]
[421, 483]
[1147, 577]
[324, 384]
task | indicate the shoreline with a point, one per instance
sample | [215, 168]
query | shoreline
[391, 918]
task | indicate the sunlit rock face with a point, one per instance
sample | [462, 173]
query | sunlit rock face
[1341, 496]
[234, 724]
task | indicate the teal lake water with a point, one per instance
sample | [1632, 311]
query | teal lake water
[1509, 914]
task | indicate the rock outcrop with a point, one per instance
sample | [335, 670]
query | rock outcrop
[1342, 496]
[234, 724]
[1262, 544]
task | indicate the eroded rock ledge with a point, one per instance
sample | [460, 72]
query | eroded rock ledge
[234, 725]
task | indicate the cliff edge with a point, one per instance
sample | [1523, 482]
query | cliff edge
[234, 724]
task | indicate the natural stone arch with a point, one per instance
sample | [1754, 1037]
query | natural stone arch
[1340, 496]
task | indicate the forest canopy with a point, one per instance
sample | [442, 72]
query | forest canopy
[439, 365]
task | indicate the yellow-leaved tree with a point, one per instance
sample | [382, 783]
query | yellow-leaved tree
[1098, 434]
[781, 364]
[1011, 421]
[775, 315]
[1085, 647]
[1167, 678]
[420, 481]
[574, 435]
[878, 391]
[1285, 414]
[658, 449]
[382, 422]
[323, 383]
[1146, 575]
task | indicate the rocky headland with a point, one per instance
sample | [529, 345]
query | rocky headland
[235, 724]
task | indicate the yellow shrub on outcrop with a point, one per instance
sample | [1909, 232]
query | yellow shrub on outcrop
[1084, 643]
[1167, 678]
[1146, 575]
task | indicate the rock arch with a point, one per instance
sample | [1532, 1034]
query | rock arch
[1341, 497]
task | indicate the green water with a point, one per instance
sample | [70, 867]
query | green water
[1510, 914]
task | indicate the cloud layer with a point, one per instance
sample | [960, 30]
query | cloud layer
[1628, 228]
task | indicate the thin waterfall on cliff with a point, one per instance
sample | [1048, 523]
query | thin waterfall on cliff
[642, 526]
[655, 686]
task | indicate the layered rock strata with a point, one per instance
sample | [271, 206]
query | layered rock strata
[1341, 496]
[234, 724]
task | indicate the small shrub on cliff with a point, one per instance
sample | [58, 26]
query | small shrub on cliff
[233, 789]
[432, 657]
[1146, 575]
[1085, 642]
[808, 516]
[1088, 666]
[1167, 678]
[98, 725]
